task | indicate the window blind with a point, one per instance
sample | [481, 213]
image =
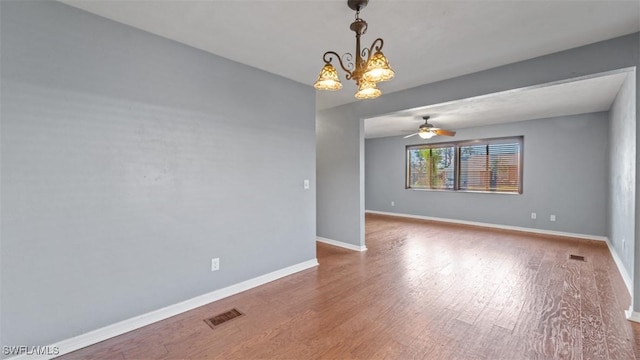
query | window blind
[488, 165]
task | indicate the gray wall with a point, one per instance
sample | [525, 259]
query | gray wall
[604, 56]
[340, 167]
[128, 162]
[636, 256]
[564, 173]
[622, 172]
[618, 53]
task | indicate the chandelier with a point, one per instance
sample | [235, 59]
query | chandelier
[366, 73]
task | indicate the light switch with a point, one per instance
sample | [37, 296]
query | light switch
[306, 184]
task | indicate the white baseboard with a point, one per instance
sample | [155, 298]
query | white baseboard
[623, 271]
[632, 315]
[341, 244]
[93, 337]
[629, 314]
[494, 226]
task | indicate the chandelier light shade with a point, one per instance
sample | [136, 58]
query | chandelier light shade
[378, 69]
[328, 79]
[369, 67]
[367, 90]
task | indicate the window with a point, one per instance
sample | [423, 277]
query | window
[431, 167]
[491, 165]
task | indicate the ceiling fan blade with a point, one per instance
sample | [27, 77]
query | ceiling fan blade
[408, 136]
[444, 132]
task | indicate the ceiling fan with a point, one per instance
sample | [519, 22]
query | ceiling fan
[427, 131]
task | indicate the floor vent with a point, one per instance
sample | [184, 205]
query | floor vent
[222, 318]
[576, 257]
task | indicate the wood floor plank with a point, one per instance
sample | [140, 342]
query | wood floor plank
[549, 325]
[635, 332]
[617, 337]
[593, 340]
[423, 290]
[569, 344]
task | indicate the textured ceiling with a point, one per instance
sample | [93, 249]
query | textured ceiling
[566, 98]
[425, 41]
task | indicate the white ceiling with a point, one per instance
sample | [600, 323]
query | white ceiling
[425, 41]
[559, 99]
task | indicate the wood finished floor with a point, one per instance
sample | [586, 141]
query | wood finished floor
[423, 290]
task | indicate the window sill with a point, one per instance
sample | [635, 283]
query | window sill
[467, 191]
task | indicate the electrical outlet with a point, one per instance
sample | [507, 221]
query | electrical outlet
[393, 203]
[215, 264]
[552, 218]
[534, 215]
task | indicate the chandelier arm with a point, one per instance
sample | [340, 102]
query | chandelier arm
[348, 59]
[328, 57]
[373, 47]
[365, 53]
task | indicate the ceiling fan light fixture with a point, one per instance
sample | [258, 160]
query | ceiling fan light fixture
[367, 90]
[378, 68]
[328, 79]
[427, 131]
[426, 135]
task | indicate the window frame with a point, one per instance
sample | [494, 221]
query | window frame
[431, 146]
[457, 145]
